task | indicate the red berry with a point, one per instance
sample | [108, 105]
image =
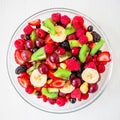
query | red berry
[79, 32]
[56, 17]
[61, 101]
[76, 93]
[29, 89]
[65, 20]
[83, 39]
[28, 29]
[93, 87]
[89, 59]
[52, 101]
[71, 37]
[90, 65]
[54, 58]
[61, 51]
[101, 68]
[22, 36]
[76, 82]
[19, 44]
[26, 55]
[73, 65]
[43, 68]
[78, 22]
[49, 48]
[29, 44]
[39, 42]
[40, 33]
[85, 96]
[35, 22]
[75, 51]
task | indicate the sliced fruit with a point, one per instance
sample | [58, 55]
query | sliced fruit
[89, 36]
[35, 22]
[48, 23]
[76, 93]
[74, 43]
[83, 53]
[31, 69]
[68, 88]
[50, 64]
[58, 83]
[24, 81]
[104, 57]
[84, 88]
[97, 46]
[53, 90]
[39, 55]
[44, 28]
[64, 57]
[60, 35]
[69, 29]
[90, 75]
[37, 79]
[49, 94]
[18, 57]
[33, 36]
[48, 40]
[91, 45]
[62, 73]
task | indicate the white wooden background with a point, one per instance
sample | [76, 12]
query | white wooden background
[105, 13]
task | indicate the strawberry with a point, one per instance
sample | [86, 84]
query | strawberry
[91, 45]
[24, 81]
[18, 57]
[35, 22]
[48, 40]
[104, 57]
[58, 83]
[50, 64]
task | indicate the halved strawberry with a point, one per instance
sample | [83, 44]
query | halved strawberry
[91, 45]
[18, 57]
[35, 22]
[104, 57]
[50, 64]
[58, 83]
[48, 40]
[24, 81]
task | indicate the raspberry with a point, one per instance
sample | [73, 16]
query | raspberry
[79, 32]
[40, 33]
[28, 29]
[73, 65]
[61, 101]
[71, 37]
[61, 51]
[85, 96]
[56, 17]
[83, 39]
[89, 59]
[76, 93]
[78, 22]
[65, 20]
[19, 44]
[90, 65]
[75, 51]
[52, 101]
[101, 68]
[29, 89]
[48, 48]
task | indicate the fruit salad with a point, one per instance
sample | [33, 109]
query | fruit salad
[60, 59]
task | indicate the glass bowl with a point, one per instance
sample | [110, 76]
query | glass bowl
[38, 103]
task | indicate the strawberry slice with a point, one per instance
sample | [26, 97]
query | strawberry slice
[24, 81]
[91, 45]
[50, 64]
[48, 40]
[58, 83]
[18, 57]
[35, 22]
[104, 57]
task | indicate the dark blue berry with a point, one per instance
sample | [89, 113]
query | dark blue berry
[20, 69]
[90, 28]
[65, 45]
[27, 37]
[72, 100]
[96, 36]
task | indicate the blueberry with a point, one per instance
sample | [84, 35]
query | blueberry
[90, 28]
[96, 36]
[37, 93]
[38, 26]
[72, 100]
[72, 76]
[65, 45]
[98, 52]
[20, 69]
[34, 49]
[27, 37]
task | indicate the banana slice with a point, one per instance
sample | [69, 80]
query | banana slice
[68, 88]
[37, 79]
[60, 35]
[90, 75]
